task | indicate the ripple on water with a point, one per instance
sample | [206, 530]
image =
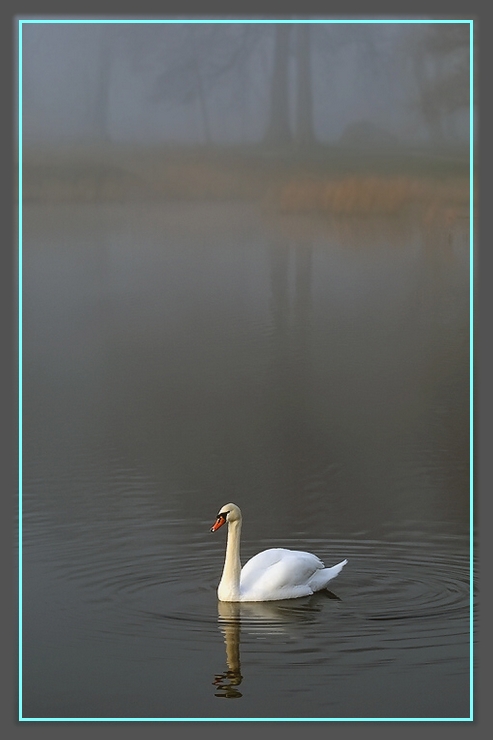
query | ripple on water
[170, 594]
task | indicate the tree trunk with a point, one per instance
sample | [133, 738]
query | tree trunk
[202, 103]
[304, 96]
[428, 106]
[278, 129]
[201, 94]
[102, 97]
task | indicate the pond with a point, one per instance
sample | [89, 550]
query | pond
[180, 356]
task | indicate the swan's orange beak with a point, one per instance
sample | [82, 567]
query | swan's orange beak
[221, 519]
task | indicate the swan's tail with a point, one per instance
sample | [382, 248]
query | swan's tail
[322, 577]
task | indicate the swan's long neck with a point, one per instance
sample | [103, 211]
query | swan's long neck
[229, 586]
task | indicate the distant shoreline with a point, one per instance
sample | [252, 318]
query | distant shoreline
[328, 180]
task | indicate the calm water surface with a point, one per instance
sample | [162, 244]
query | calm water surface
[182, 356]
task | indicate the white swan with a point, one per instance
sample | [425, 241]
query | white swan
[272, 574]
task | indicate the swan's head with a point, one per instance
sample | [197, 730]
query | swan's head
[228, 513]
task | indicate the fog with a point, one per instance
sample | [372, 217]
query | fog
[245, 276]
[242, 84]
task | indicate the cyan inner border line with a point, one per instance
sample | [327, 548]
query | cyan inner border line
[471, 367]
[240, 20]
[19, 390]
[247, 719]
[24, 21]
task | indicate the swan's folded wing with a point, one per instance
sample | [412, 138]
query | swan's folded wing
[279, 574]
[257, 565]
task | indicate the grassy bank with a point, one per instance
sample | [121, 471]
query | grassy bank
[325, 180]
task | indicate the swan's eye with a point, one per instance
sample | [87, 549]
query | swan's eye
[220, 521]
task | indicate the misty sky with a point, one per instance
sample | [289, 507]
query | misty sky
[193, 82]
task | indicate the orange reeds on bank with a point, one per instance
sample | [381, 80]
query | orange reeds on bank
[370, 195]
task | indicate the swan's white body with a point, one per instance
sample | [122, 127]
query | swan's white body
[272, 574]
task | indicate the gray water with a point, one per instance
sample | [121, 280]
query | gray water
[315, 372]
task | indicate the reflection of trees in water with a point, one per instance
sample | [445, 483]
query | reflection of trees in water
[443, 239]
[369, 234]
[294, 434]
[442, 309]
[395, 413]
[376, 394]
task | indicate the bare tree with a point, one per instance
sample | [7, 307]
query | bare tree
[206, 60]
[441, 66]
[101, 106]
[278, 129]
[183, 78]
[304, 131]
[216, 58]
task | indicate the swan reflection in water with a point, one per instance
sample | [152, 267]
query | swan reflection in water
[258, 617]
[229, 624]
